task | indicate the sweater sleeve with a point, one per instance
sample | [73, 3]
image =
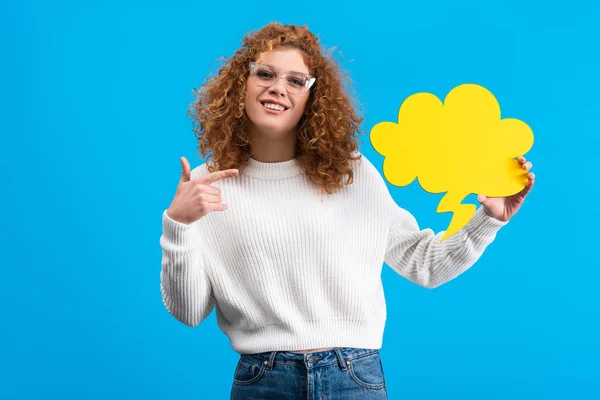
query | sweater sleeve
[186, 289]
[419, 256]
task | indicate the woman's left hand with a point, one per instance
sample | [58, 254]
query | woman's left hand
[503, 208]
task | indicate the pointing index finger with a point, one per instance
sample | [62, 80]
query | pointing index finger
[217, 175]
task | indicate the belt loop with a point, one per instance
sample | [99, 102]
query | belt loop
[340, 358]
[271, 363]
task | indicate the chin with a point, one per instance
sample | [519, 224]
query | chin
[273, 129]
[270, 126]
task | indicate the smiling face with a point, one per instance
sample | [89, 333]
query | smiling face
[263, 119]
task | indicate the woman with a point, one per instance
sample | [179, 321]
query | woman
[286, 230]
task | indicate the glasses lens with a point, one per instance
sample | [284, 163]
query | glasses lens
[295, 83]
[264, 75]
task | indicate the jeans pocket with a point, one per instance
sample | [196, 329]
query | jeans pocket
[367, 371]
[249, 370]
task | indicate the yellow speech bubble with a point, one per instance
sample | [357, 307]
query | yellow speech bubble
[460, 147]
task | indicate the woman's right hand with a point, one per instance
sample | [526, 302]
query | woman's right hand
[196, 198]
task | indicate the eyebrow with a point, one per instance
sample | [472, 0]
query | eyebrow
[295, 72]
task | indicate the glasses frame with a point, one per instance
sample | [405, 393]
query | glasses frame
[309, 82]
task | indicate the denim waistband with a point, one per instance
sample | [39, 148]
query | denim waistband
[338, 355]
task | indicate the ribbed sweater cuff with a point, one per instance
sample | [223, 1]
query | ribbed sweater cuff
[482, 225]
[178, 234]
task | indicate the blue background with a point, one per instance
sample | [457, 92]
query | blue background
[93, 122]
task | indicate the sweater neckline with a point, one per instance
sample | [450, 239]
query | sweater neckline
[272, 170]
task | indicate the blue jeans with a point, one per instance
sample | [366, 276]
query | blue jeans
[342, 373]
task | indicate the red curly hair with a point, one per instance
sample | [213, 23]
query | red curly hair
[325, 133]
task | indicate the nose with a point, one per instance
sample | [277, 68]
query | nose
[278, 87]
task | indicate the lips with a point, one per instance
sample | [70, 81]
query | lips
[273, 111]
[264, 102]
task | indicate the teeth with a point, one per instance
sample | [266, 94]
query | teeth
[274, 106]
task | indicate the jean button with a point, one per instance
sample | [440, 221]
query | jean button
[311, 358]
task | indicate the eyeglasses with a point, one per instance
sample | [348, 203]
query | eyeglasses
[266, 76]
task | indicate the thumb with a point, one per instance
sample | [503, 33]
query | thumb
[483, 200]
[185, 170]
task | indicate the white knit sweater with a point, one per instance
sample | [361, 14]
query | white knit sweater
[288, 268]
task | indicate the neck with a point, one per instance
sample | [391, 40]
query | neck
[272, 146]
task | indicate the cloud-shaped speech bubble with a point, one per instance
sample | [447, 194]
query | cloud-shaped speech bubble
[460, 147]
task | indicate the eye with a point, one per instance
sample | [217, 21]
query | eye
[296, 81]
[264, 73]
